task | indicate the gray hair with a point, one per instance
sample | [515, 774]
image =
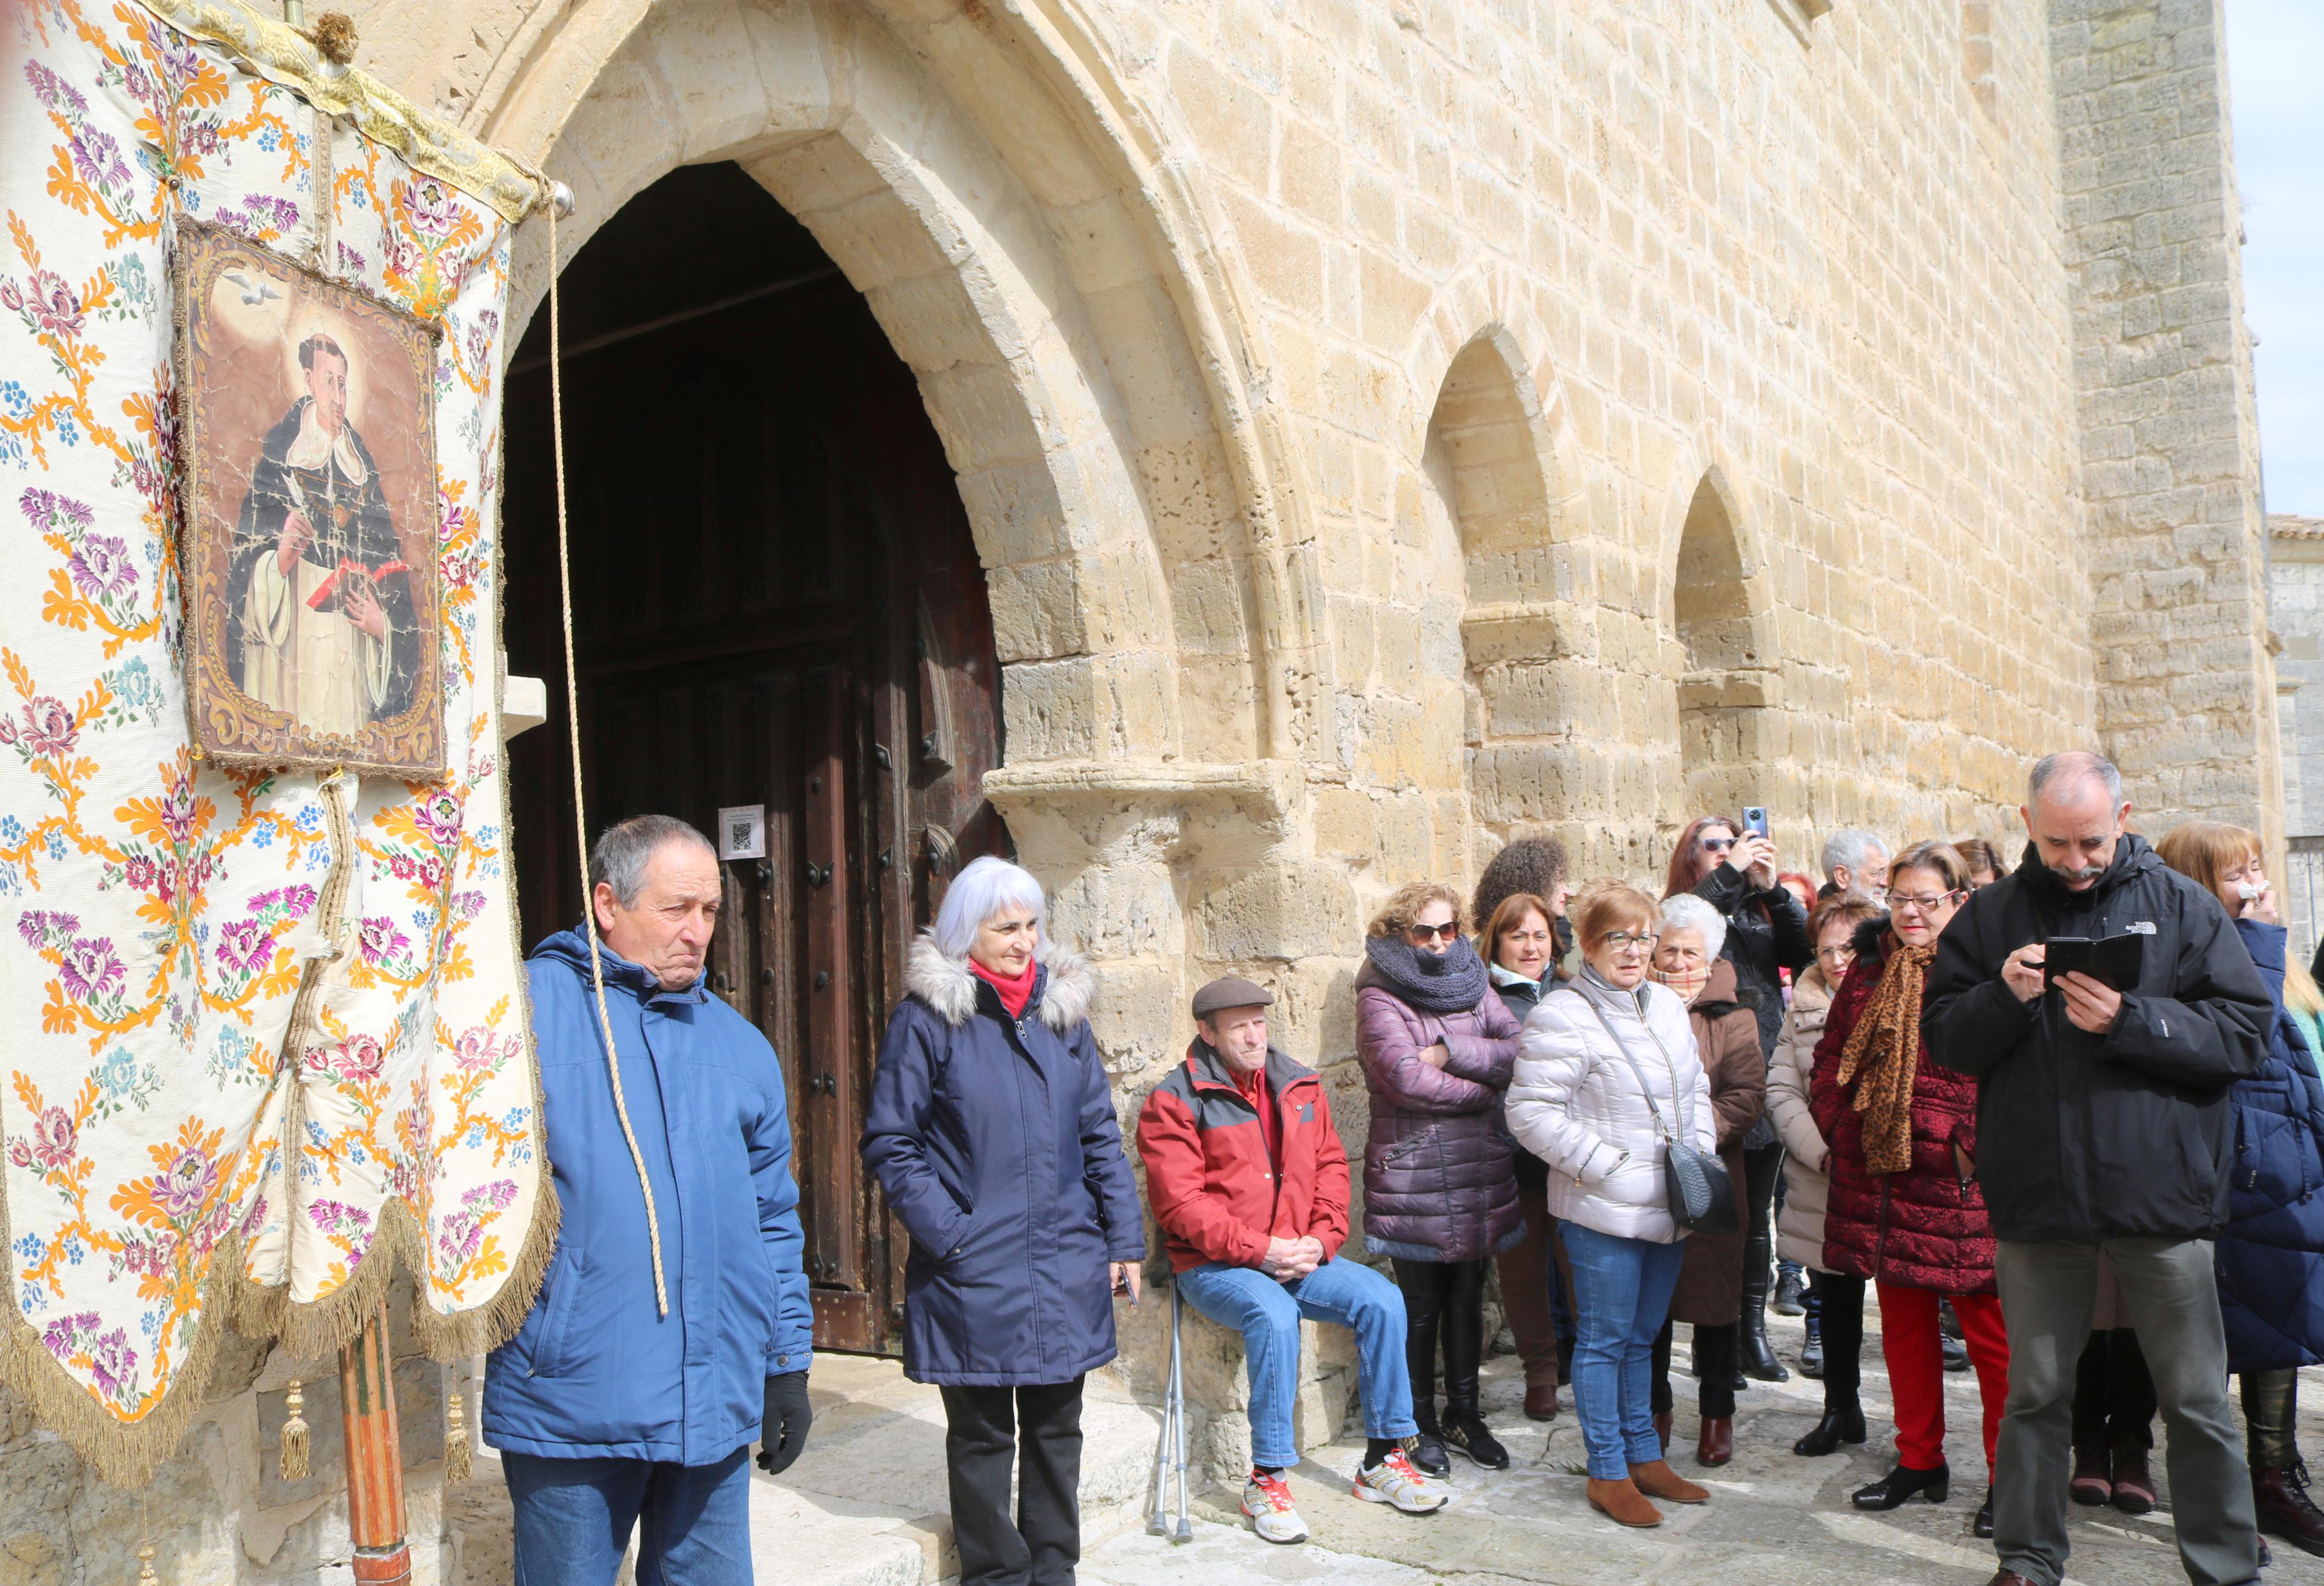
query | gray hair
[1849, 846]
[1685, 911]
[982, 890]
[2069, 768]
[625, 850]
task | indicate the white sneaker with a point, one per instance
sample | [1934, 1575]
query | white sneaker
[1267, 1501]
[1394, 1480]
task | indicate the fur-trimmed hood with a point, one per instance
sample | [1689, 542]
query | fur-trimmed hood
[948, 986]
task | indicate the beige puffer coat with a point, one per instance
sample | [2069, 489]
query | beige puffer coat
[1799, 1227]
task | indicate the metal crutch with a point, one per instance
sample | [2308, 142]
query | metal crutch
[1157, 1524]
[1178, 1415]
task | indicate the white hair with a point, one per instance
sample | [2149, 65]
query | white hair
[1850, 847]
[985, 887]
[1685, 911]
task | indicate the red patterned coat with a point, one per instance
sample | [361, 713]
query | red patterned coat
[1925, 1227]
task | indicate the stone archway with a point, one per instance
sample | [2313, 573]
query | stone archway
[1158, 666]
[1038, 286]
[1730, 726]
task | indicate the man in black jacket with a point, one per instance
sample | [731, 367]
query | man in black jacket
[2103, 1124]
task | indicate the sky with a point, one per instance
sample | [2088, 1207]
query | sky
[2276, 64]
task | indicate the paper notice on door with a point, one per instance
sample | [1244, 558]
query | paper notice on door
[742, 832]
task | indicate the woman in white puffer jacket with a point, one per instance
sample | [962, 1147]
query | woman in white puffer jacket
[1576, 1102]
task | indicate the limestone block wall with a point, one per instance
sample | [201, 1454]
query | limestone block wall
[2177, 549]
[2296, 604]
[220, 1514]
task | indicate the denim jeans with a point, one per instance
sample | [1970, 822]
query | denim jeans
[573, 1519]
[1622, 1289]
[1267, 1314]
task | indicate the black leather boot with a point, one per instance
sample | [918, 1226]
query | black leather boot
[1757, 1357]
[1841, 1424]
[1463, 1332]
[1812, 1351]
[1902, 1483]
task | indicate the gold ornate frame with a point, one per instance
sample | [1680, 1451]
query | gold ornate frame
[228, 727]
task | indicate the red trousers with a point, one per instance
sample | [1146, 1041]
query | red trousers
[1909, 1342]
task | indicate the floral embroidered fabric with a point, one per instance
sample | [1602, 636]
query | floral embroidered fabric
[265, 1036]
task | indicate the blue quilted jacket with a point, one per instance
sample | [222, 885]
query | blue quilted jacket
[2270, 1255]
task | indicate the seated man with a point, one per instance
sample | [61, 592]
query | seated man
[1250, 1183]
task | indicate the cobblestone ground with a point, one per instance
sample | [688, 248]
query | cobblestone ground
[1773, 1517]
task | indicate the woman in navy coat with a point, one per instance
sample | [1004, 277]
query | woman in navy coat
[992, 1131]
[2270, 1255]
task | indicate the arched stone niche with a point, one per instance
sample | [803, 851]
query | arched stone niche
[1037, 273]
[1014, 275]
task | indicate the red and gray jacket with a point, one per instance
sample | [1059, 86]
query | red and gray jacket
[1207, 1174]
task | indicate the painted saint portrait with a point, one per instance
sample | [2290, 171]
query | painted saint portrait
[307, 416]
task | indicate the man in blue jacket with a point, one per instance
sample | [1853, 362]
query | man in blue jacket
[674, 1321]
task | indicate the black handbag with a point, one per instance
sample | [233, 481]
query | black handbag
[1697, 1185]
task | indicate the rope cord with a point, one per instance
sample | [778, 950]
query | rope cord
[572, 722]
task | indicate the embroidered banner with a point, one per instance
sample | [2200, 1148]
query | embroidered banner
[262, 1035]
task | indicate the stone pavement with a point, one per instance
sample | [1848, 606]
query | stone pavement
[1773, 1517]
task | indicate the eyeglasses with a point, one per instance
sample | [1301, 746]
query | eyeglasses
[1716, 844]
[1836, 954]
[1624, 941]
[1901, 900]
[1431, 933]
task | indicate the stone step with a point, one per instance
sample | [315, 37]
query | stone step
[866, 1504]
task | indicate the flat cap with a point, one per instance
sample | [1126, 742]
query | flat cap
[1232, 992]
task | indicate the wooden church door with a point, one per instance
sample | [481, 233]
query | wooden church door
[779, 610]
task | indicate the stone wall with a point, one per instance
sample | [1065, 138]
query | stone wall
[220, 1514]
[2177, 550]
[2295, 583]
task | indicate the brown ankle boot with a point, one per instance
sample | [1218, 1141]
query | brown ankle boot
[1541, 1399]
[1623, 1503]
[1716, 1444]
[1662, 1429]
[2093, 1479]
[2284, 1508]
[1659, 1480]
[2134, 1485]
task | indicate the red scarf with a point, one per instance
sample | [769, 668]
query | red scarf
[1014, 992]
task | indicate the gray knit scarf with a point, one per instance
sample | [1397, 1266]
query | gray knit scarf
[1453, 981]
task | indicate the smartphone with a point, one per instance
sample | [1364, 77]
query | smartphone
[1755, 819]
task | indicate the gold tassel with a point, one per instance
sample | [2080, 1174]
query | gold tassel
[294, 1435]
[458, 1459]
[145, 1575]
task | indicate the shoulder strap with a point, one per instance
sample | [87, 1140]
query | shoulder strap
[1644, 1089]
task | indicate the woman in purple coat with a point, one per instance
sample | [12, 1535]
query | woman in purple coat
[1440, 1191]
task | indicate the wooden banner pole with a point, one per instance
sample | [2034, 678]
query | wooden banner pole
[374, 1458]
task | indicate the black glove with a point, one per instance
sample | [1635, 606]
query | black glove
[783, 1432]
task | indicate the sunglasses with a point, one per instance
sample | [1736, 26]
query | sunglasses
[1716, 844]
[1431, 933]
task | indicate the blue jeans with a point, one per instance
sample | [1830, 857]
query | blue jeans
[1622, 1288]
[1267, 1314]
[573, 1519]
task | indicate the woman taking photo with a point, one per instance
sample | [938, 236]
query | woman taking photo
[1440, 1193]
[1710, 1293]
[991, 1129]
[1610, 1074]
[1521, 948]
[1734, 871]
[2271, 1254]
[1904, 1211]
[1835, 1346]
